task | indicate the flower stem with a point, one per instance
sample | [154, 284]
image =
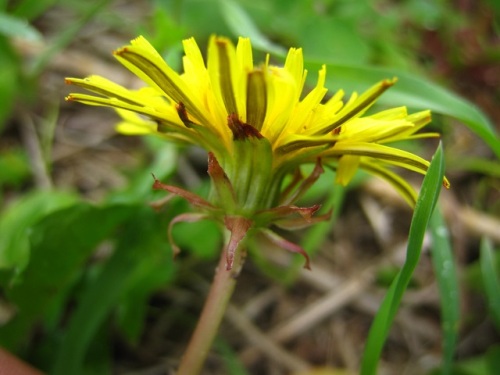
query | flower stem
[213, 311]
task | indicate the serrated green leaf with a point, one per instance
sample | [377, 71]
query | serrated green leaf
[18, 220]
[140, 263]
[60, 244]
[382, 323]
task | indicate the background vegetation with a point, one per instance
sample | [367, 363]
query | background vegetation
[88, 284]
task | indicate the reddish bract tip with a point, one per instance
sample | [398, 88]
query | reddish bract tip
[157, 185]
[241, 130]
[238, 226]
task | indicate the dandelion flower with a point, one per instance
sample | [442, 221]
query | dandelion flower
[258, 126]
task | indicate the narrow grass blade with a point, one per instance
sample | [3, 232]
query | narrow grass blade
[490, 279]
[426, 202]
[447, 280]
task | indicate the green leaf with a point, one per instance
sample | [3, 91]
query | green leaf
[486, 363]
[9, 71]
[31, 9]
[473, 164]
[14, 167]
[60, 245]
[241, 24]
[200, 18]
[163, 166]
[490, 279]
[11, 26]
[449, 294]
[17, 223]
[493, 358]
[139, 264]
[99, 359]
[155, 269]
[381, 325]
[203, 238]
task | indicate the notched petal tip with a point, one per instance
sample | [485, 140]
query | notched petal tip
[120, 51]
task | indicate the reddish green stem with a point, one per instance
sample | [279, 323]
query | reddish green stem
[213, 311]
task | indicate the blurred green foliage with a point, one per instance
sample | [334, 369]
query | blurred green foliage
[61, 254]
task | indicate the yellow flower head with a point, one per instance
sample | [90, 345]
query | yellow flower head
[258, 125]
[219, 104]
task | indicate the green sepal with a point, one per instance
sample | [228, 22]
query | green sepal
[254, 184]
[225, 195]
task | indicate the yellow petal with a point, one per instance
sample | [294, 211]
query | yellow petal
[356, 106]
[347, 167]
[399, 183]
[146, 63]
[387, 154]
[294, 65]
